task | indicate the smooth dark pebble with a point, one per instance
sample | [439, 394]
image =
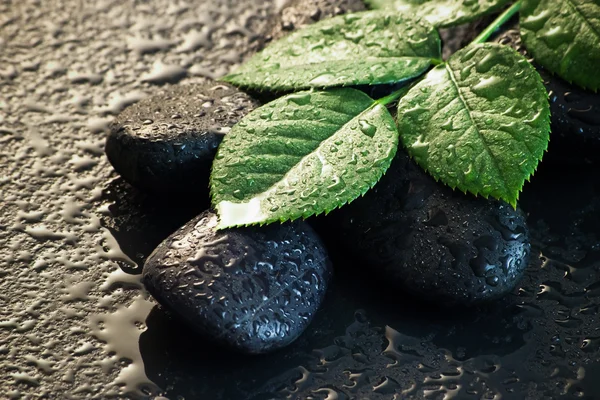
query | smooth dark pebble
[166, 143]
[575, 135]
[252, 289]
[427, 240]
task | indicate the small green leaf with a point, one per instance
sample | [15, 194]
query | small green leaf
[442, 13]
[355, 49]
[480, 122]
[564, 37]
[300, 155]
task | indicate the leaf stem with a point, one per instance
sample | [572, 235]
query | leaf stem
[390, 98]
[498, 22]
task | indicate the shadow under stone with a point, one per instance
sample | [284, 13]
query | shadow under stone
[184, 363]
[141, 221]
[353, 321]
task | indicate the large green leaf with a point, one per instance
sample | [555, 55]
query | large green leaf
[564, 37]
[354, 49]
[442, 13]
[480, 122]
[302, 154]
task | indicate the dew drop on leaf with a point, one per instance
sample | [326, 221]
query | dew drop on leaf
[301, 99]
[309, 164]
[322, 80]
[367, 128]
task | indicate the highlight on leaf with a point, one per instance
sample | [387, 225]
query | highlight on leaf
[441, 13]
[365, 48]
[303, 154]
[479, 123]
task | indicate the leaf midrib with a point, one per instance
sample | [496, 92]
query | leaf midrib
[468, 108]
[372, 105]
[283, 177]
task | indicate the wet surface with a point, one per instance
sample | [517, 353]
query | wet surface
[166, 143]
[76, 323]
[252, 289]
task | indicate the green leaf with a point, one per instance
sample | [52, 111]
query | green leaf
[564, 37]
[480, 122]
[442, 13]
[300, 155]
[355, 49]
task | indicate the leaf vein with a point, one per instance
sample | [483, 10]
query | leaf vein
[582, 16]
[468, 109]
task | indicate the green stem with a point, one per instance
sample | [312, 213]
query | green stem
[390, 98]
[498, 22]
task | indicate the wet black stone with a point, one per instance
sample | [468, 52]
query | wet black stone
[251, 289]
[428, 240]
[166, 143]
[575, 112]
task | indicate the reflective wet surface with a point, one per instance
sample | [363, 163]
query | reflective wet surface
[76, 323]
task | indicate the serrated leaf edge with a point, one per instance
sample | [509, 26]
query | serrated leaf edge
[513, 199]
[441, 25]
[278, 89]
[326, 211]
[283, 88]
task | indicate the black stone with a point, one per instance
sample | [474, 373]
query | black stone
[166, 143]
[575, 112]
[428, 240]
[252, 289]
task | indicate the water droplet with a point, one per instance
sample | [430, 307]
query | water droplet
[367, 128]
[537, 21]
[354, 36]
[301, 99]
[322, 79]
[238, 194]
[448, 125]
[267, 114]
[338, 184]
[492, 280]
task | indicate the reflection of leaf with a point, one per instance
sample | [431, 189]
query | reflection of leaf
[300, 155]
[442, 13]
[362, 48]
[564, 37]
[479, 123]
